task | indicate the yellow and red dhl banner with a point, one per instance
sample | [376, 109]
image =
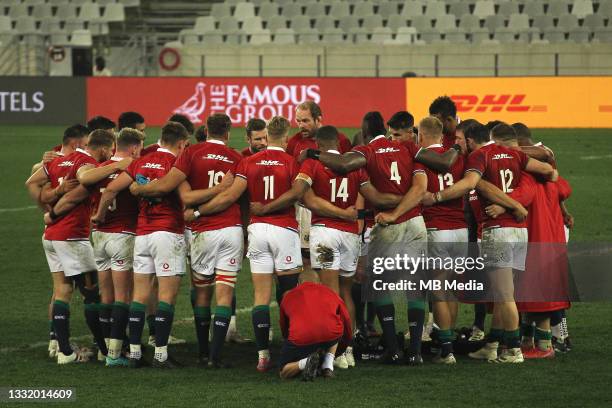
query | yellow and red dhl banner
[539, 102]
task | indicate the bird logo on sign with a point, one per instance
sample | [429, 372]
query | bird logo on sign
[194, 107]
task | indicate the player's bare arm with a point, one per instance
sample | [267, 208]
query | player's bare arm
[35, 184]
[340, 163]
[161, 186]
[295, 193]
[90, 175]
[113, 188]
[568, 218]
[378, 199]
[192, 198]
[496, 196]
[225, 199]
[324, 208]
[51, 195]
[410, 200]
[467, 183]
[66, 204]
[544, 169]
[438, 162]
[539, 153]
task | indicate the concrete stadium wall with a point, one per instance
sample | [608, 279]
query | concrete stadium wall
[393, 60]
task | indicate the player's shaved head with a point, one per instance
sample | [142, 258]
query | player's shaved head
[327, 138]
[101, 138]
[503, 132]
[523, 134]
[129, 137]
[132, 120]
[278, 128]
[183, 120]
[74, 132]
[201, 134]
[479, 134]
[100, 122]
[173, 133]
[372, 125]
[218, 126]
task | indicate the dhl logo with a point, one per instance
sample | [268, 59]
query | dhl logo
[495, 103]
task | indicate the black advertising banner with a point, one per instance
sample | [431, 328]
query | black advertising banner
[42, 101]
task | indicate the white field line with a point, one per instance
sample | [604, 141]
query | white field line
[600, 157]
[39, 344]
[17, 209]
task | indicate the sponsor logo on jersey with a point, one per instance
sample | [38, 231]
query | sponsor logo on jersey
[501, 156]
[495, 103]
[212, 156]
[269, 163]
[66, 163]
[387, 150]
[155, 166]
[242, 102]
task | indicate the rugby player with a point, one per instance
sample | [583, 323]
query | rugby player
[401, 127]
[274, 246]
[159, 248]
[502, 167]
[113, 242]
[101, 122]
[391, 167]
[74, 137]
[178, 118]
[217, 243]
[447, 233]
[445, 109]
[312, 332]
[256, 137]
[67, 247]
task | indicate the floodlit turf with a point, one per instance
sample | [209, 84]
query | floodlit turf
[581, 378]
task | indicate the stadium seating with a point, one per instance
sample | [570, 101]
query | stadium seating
[380, 22]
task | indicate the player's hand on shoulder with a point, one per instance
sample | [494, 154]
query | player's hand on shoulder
[257, 209]
[428, 199]
[494, 210]
[555, 175]
[49, 156]
[302, 156]
[385, 218]
[68, 185]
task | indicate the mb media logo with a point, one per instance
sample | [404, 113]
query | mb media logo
[495, 103]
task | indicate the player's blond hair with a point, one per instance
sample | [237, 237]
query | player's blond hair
[129, 137]
[278, 127]
[430, 126]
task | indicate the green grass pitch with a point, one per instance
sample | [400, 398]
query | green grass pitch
[580, 378]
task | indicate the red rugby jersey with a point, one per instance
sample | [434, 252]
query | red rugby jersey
[475, 205]
[246, 152]
[269, 174]
[149, 149]
[339, 189]
[312, 313]
[502, 167]
[390, 167]
[75, 224]
[166, 215]
[299, 142]
[449, 214]
[205, 164]
[122, 214]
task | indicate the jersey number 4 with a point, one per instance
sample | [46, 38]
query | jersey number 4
[395, 176]
[341, 191]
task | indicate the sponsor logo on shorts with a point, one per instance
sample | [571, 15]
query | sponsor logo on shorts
[288, 259]
[120, 262]
[165, 266]
[232, 261]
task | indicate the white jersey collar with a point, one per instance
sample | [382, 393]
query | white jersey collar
[434, 145]
[219, 142]
[377, 137]
[490, 142]
[161, 149]
[78, 149]
[275, 148]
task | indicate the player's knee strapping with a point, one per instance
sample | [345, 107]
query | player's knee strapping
[202, 281]
[287, 282]
[226, 278]
[91, 293]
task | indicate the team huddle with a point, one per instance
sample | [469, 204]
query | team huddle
[125, 222]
